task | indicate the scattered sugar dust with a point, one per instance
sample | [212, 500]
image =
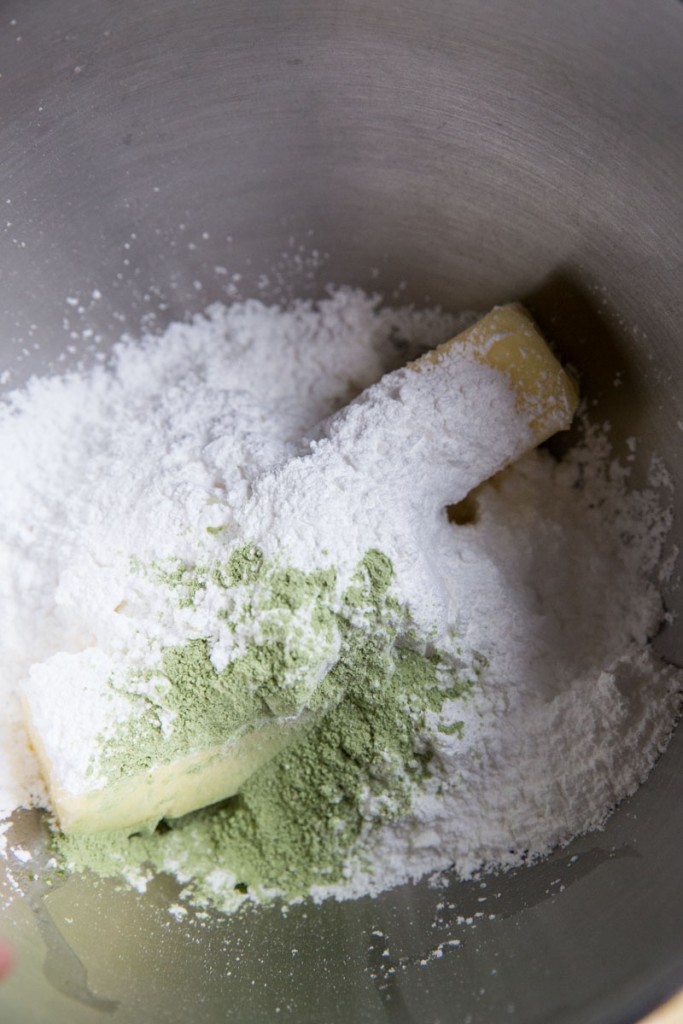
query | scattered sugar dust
[556, 574]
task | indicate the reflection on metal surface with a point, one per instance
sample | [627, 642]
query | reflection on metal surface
[550, 877]
[670, 1013]
[62, 967]
[383, 970]
[462, 908]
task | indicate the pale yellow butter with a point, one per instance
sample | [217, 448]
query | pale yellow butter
[508, 339]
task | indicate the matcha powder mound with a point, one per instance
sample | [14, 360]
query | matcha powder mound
[302, 820]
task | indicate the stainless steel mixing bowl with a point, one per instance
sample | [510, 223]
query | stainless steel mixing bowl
[476, 150]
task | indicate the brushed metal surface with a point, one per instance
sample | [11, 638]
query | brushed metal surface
[157, 156]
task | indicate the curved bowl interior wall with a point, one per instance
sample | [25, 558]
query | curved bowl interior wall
[155, 157]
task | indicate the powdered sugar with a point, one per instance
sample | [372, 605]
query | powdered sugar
[575, 706]
[551, 582]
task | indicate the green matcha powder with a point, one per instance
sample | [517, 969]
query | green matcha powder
[297, 821]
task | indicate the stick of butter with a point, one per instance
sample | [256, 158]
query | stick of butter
[183, 725]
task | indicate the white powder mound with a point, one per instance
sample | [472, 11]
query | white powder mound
[139, 458]
[575, 706]
[552, 581]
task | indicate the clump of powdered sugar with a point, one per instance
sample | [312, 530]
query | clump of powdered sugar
[550, 579]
